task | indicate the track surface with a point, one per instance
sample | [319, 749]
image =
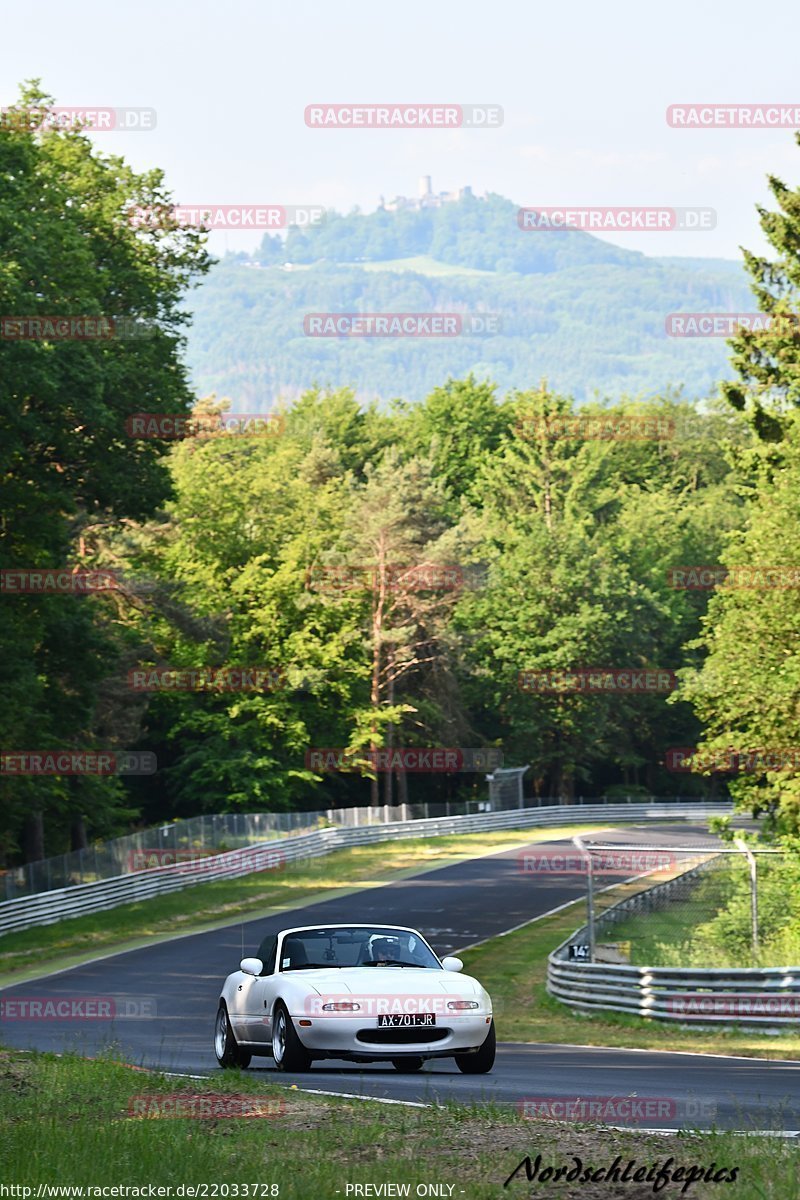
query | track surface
[454, 907]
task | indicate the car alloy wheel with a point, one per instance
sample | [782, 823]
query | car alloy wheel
[288, 1051]
[279, 1038]
[226, 1048]
[221, 1033]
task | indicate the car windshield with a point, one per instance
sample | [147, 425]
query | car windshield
[358, 946]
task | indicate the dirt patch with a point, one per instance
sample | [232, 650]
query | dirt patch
[15, 1074]
[487, 1149]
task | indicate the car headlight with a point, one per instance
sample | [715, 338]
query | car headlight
[341, 1006]
[462, 1004]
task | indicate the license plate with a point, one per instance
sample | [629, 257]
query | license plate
[402, 1020]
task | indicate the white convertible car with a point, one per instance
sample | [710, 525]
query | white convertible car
[367, 993]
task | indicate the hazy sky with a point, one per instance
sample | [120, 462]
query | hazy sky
[584, 88]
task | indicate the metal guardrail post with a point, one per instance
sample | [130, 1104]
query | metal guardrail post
[751, 862]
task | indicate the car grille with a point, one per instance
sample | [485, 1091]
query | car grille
[404, 1036]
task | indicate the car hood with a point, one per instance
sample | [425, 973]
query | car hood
[377, 981]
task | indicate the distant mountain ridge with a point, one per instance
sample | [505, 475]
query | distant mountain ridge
[587, 315]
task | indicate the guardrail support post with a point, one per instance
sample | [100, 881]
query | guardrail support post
[751, 862]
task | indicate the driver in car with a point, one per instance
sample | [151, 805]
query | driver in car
[383, 951]
[387, 950]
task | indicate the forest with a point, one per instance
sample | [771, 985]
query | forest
[370, 578]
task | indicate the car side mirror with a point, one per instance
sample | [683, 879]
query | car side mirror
[452, 964]
[251, 966]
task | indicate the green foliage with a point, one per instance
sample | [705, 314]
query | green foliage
[724, 938]
[461, 425]
[746, 692]
[67, 468]
[580, 535]
[767, 361]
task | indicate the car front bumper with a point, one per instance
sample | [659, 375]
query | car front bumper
[339, 1037]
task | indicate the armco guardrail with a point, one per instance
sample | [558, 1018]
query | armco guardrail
[48, 907]
[708, 996]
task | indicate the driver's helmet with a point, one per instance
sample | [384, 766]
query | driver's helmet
[385, 947]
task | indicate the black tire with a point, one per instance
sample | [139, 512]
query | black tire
[478, 1062]
[288, 1051]
[228, 1051]
[407, 1065]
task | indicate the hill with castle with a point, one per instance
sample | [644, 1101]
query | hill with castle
[587, 315]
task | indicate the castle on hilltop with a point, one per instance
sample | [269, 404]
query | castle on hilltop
[426, 198]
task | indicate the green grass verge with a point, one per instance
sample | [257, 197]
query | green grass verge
[213, 905]
[669, 929]
[66, 1121]
[513, 969]
[711, 926]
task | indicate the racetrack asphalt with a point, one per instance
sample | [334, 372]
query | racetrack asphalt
[178, 983]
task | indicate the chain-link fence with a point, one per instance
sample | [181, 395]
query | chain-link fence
[729, 905]
[178, 841]
[191, 839]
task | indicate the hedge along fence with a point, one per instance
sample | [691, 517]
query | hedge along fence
[48, 907]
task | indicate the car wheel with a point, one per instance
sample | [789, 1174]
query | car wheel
[226, 1048]
[407, 1065]
[288, 1051]
[478, 1062]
